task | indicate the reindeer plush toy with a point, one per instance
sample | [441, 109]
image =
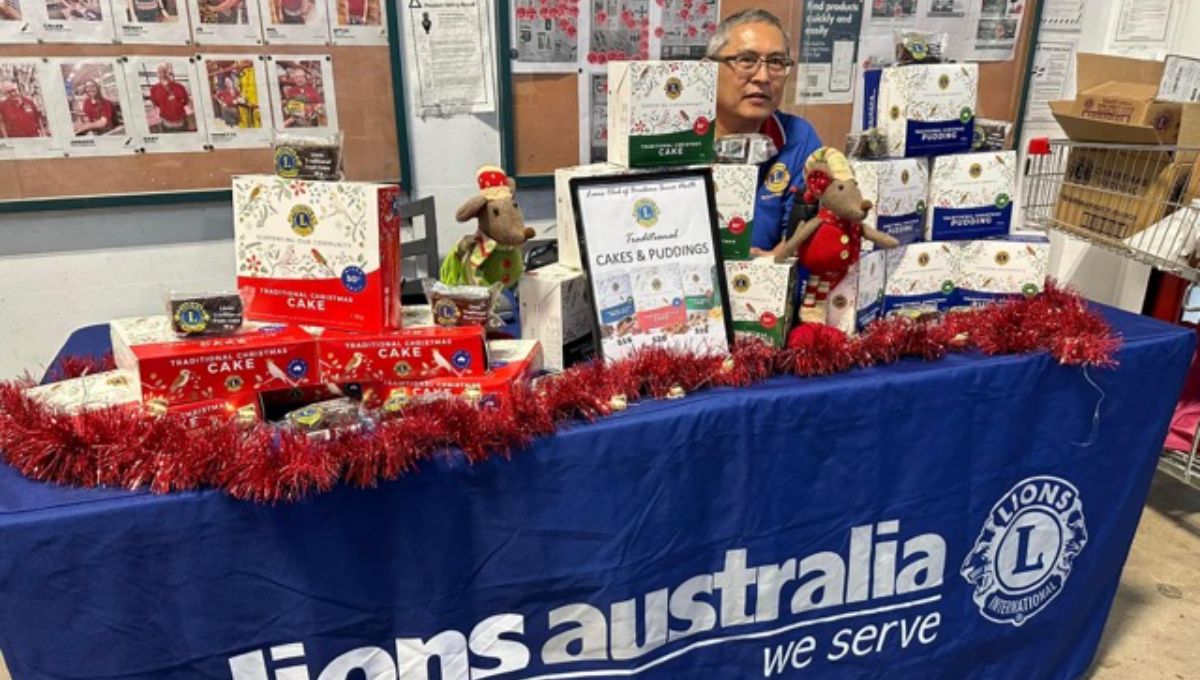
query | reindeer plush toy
[829, 244]
[492, 255]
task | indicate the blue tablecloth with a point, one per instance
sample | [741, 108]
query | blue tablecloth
[966, 518]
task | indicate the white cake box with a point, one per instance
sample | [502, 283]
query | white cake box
[734, 187]
[858, 299]
[996, 269]
[564, 211]
[760, 298]
[899, 189]
[661, 112]
[95, 391]
[971, 196]
[556, 310]
[928, 109]
[921, 277]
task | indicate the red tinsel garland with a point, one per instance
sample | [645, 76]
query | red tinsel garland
[120, 448]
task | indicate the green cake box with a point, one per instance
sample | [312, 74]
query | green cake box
[760, 298]
[661, 113]
[733, 192]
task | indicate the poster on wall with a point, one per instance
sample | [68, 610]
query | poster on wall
[17, 21]
[302, 93]
[545, 35]
[685, 27]
[1048, 79]
[649, 244]
[160, 22]
[829, 48]
[26, 121]
[996, 29]
[358, 22]
[234, 100]
[294, 22]
[225, 22]
[75, 21]
[620, 30]
[95, 117]
[162, 92]
[450, 49]
[593, 117]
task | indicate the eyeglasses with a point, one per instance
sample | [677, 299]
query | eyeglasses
[746, 64]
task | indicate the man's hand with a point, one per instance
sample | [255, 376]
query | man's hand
[759, 252]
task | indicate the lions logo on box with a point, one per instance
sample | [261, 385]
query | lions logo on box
[673, 87]
[303, 220]
[1024, 553]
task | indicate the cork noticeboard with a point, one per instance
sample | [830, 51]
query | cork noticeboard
[367, 117]
[546, 117]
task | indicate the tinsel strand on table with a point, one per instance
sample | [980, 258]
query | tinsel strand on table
[117, 447]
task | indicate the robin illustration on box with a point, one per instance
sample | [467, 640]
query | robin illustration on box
[493, 253]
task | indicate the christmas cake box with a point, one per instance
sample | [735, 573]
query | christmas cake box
[88, 392]
[920, 277]
[858, 299]
[244, 408]
[995, 269]
[899, 189]
[928, 109]
[661, 113]
[324, 253]
[417, 353]
[760, 299]
[971, 196]
[171, 370]
[733, 192]
[564, 209]
[658, 297]
[556, 310]
[513, 362]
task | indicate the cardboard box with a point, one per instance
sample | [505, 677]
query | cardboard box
[928, 109]
[921, 277]
[997, 269]
[1118, 193]
[899, 189]
[556, 310]
[88, 392]
[734, 188]
[1116, 102]
[564, 211]
[661, 113]
[760, 299]
[514, 362]
[858, 299]
[418, 353]
[321, 253]
[971, 196]
[171, 370]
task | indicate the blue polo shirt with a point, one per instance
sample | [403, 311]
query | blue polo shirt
[781, 179]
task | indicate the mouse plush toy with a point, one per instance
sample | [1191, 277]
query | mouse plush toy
[492, 255]
[828, 244]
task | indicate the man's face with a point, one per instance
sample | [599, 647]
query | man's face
[165, 74]
[299, 77]
[10, 90]
[753, 96]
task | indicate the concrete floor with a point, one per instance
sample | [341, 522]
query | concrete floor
[1153, 632]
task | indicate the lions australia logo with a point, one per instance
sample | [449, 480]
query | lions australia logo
[1024, 553]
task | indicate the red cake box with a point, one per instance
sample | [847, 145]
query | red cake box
[513, 362]
[402, 355]
[320, 253]
[242, 407]
[173, 370]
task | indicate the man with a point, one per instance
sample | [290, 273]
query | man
[149, 11]
[19, 115]
[293, 11]
[303, 105]
[171, 100]
[752, 49]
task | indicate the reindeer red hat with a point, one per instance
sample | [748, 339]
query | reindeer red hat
[493, 182]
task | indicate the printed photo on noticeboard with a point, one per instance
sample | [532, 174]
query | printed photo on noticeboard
[235, 101]
[303, 93]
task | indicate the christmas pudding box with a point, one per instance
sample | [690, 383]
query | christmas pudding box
[921, 277]
[322, 253]
[899, 189]
[173, 370]
[564, 210]
[971, 196]
[760, 299]
[417, 353]
[615, 305]
[513, 362]
[928, 109]
[991, 270]
[661, 112]
[556, 310]
[733, 192]
[858, 299]
[95, 391]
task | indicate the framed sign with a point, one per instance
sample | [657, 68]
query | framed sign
[650, 245]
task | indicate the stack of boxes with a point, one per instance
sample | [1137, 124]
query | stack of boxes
[318, 271]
